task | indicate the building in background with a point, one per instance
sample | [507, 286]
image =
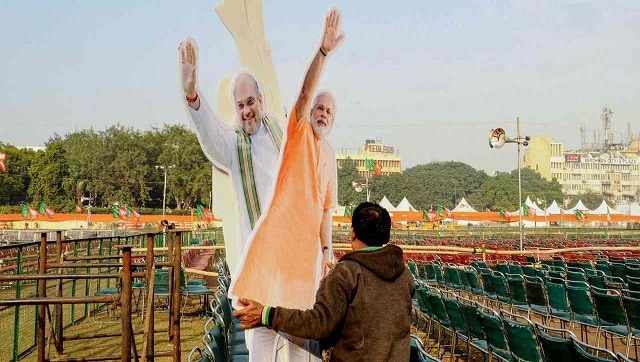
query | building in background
[375, 158]
[612, 171]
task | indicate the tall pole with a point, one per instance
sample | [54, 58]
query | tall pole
[164, 193]
[519, 183]
[366, 186]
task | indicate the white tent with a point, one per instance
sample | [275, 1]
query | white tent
[404, 205]
[579, 206]
[554, 209]
[386, 204]
[604, 209]
[463, 206]
[532, 205]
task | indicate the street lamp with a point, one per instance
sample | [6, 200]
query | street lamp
[164, 192]
[497, 139]
[362, 186]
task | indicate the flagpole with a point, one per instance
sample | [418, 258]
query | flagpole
[519, 183]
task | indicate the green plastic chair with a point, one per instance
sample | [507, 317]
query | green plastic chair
[633, 283]
[441, 317]
[536, 296]
[632, 310]
[492, 328]
[501, 287]
[555, 343]
[582, 309]
[521, 337]
[475, 284]
[558, 301]
[452, 277]
[611, 315]
[517, 292]
[418, 354]
[584, 352]
[473, 326]
[456, 322]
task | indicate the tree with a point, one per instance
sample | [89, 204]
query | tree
[590, 199]
[48, 172]
[15, 181]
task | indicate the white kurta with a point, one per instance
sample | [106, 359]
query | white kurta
[219, 143]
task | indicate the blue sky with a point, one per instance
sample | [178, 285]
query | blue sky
[428, 77]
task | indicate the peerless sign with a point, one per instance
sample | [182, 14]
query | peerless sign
[378, 148]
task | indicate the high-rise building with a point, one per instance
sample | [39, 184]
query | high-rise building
[375, 155]
[613, 172]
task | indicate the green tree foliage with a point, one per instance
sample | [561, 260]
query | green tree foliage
[48, 172]
[502, 190]
[15, 182]
[590, 199]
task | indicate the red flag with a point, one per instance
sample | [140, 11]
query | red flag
[3, 158]
[207, 215]
[49, 211]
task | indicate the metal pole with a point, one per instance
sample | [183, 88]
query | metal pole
[59, 326]
[519, 182]
[164, 193]
[42, 293]
[125, 300]
[366, 184]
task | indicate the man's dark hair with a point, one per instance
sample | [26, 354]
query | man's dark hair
[371, 223]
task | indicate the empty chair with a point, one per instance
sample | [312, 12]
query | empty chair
[582, 309]
[475, 285]
[456, 322]
[517, 292]
[611, 315]
[473, 326]
[418, 354]
[536, 296]
[584, 352]
[492, 327]
[521, 337]
[631, 303]
[528, 270]
[501, 288]
[556, 344]
[558, 301]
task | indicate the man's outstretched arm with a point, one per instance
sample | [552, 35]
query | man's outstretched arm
[332, 37]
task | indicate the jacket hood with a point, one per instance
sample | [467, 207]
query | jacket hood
[387, 263]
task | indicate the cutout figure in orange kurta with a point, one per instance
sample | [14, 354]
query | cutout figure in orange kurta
[289, 247]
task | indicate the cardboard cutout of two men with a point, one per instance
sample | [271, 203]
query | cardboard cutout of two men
[281, 259]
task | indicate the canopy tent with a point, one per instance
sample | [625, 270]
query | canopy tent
[533, 205]
[579, 206]
[386, 203]
[554, 209]
[463, 206]
[404, 205]
[605, 209]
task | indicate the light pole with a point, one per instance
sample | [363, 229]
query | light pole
[362, 186]
[497, 139]
[164, 191]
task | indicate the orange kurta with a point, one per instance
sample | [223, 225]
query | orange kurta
[279, 263]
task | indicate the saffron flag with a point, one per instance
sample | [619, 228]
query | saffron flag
[609, 219]
[504, 214]
[448, 213]
[78, 209]
[136, 215]
[432, 215]
[49, 211]
[33, 213]
[3, 160]
[208, 215]
[377, 168]
[122, 211]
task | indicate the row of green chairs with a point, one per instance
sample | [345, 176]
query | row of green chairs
[503, 335]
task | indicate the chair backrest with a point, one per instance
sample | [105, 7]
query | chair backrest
[632, 271]
[608, 305]
[556, 343]
[584, 352]
[632, 309]
[619, 270]
[580, 299]
[576, 275]
[503, 268]
[453, 311]
[521, 337]
[418, 354]
[487, 283]
[500, 285]
[452, 276]
[492, 328]
[516, 288]
[437, 306]
[535, 292]
[557, 294]
[633, 283]
[529, 270]
[472, 322]
[515, 269]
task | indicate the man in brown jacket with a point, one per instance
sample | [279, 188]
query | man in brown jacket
[362, 308]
